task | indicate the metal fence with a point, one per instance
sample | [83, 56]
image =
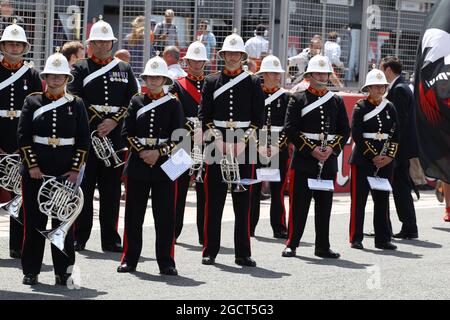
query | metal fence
[47, 23]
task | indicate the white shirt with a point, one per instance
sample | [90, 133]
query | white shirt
[175, 71]
[332, 50]
[255, 46]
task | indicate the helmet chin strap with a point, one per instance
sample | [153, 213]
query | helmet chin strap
[320, 83]
[13, 56]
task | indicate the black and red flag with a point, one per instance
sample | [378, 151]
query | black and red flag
[432, 91]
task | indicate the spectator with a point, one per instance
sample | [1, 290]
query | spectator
[257, 47]
[332, 50]
[251, 65]
[7, 15]
[166, 33]
[301, 60]
[172, 57]
[209, 41]
[134, 43]
[73, 51]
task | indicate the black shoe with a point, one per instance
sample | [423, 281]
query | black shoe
[385, 246]
[326, 254]
[15, 254]
[406, 235]
[247, 261]
[30, 279]
[357, 245]
[125, 268]
[61, 279]
[280, 235]
[78, 246]
[170, 271]
[113, 248]
[289, 252]
[209, 261]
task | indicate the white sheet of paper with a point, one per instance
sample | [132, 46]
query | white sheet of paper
[380, 184]
[177, 164]
[321, 185]
[247, 182]
[265, 174]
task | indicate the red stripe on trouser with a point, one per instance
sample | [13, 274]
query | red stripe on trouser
[205, 223]
[291, 206]
[283, 213]
[250, 204]
[172, 249]
[354, 172]
[24, 218]
[125, 239]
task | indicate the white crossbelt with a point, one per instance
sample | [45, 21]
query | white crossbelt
[376, 111]
[230, 84]
[16, 76]
[101, 71]
[317, 103]
[153, 105]
[274, 128]
[55, 142]
[151, 141]
[52, 106]
[232, 124]
[376, 136]
[106, 109]
[274, 96]
[318, 136]
[10, 113]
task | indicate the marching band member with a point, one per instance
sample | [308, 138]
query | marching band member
[53, 136]
[188, 89]
[315, 118]
[17, 80]
[149, 125]
[275, 111]
[106, 85]
[231, 99]
[373, 121]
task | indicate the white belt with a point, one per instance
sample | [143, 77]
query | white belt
[106, 109]
[274, 128]
[55, 142]
[151, 141]
[318, 136]
[232, 124]
[376, 136]
[10, 113]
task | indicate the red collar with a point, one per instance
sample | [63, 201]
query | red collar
[195, 78]
[100, 61]
[232, 73]
[374, 102]
[269, 91]
[12, 67]
[156, 96]
[53, 97]
[317, 92]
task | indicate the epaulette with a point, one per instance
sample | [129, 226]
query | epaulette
[34, 94]
[29, 64]
[172, 95]
[69, 97]
[138, 94]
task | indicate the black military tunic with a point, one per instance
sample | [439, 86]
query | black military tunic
[188, 90]
[362, 167]
[305, 166]
[67, 121]
[11, 103]
[243, 102]
[105, 97]
[150, 131]
[275, 114]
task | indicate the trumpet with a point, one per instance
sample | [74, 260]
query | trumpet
[59, 199]
[104, 150]
[229, 168]
[10, 181]
[198, 157]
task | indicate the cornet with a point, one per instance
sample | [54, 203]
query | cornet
[59, 199]
[104, 150]
[230, 171]
[323, 147]
[10, 181]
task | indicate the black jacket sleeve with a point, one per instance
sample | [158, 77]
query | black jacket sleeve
[25, 136]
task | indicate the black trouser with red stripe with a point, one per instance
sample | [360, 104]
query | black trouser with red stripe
[215, 196]
[109, 182]
[182, 189]
[16, 230]
[34, 242]
[359, 192]
[277, 209]
[300, 201]
[163, 208]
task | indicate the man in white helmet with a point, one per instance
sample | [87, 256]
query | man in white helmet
[188, 89]
[17, 80]
[232, 101]
[317, 125]
[106, 85]
[53, 136]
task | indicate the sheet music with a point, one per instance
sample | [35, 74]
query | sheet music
[321, 185]
[380, 184]
[246, 182]
[266, 174]
[177, 164]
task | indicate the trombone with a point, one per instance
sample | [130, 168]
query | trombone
[104, 150]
